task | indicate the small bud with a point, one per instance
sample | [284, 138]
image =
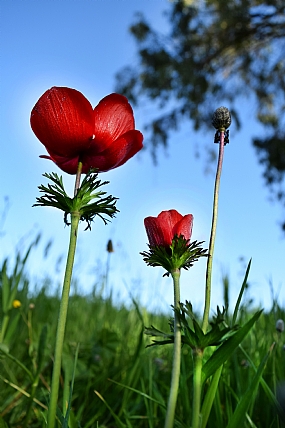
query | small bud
[31, 306]
[110, 247]
[16, 304]
[279, 326]
[221, 119]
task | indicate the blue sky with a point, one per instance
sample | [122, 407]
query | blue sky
[82, 44]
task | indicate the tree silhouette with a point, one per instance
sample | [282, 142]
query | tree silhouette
[215, 49]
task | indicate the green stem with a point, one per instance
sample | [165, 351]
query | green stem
[213, 235]
[169, 419]
[197, 386]
[78, 177]
[75, 217]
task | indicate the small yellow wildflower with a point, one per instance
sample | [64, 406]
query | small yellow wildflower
[16, 304]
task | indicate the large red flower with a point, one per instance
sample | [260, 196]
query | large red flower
[162, 229]
[72, 131]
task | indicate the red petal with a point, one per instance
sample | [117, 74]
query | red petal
[63, 120]
[154, 232]
[68, 165]
[167, 221]
[184, 227]
[115, 155]
[113, 118]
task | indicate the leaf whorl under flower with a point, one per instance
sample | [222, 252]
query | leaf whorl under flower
[180, 254]
[55, 196]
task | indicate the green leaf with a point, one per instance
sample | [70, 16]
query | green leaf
[241, 293]
[154, 332]
[224, 351]
[3, 349]
[199, 332]
[67, 415]
[5, 288]
[11, 327]
[3, 423]
[119, 423]
[241, 409]
[210, 396]
[41, 348]
[189, 336]
[271, 397]
[141, 393]
[197, 338]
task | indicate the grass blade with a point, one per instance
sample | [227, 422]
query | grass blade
[222, 354]
[210, 396]
[66, 418]
[120, 424]
[241, 293]
[241, 409]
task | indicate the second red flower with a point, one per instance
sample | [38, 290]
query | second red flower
[162, 229]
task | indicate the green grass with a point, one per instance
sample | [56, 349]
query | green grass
[118, 382]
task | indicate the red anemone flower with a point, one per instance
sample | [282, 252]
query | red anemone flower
[72, 131]
[162, 229]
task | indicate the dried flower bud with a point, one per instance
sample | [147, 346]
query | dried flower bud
[110, 247]
[221, 119]
[279, 326]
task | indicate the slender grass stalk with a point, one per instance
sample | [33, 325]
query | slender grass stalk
[75, 217]
[169, 419]
[213, 234]
[197, 386]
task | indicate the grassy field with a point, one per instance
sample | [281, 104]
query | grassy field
[109, 376]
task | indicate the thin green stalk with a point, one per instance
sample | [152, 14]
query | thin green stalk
[213, 234]
[169, 419]
[197, 386]
[75, 216]
[78, 177]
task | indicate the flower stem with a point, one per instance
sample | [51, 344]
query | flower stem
[75, 217]
[169, 419]
[78, 177]
[197, 385]
[213, 234]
